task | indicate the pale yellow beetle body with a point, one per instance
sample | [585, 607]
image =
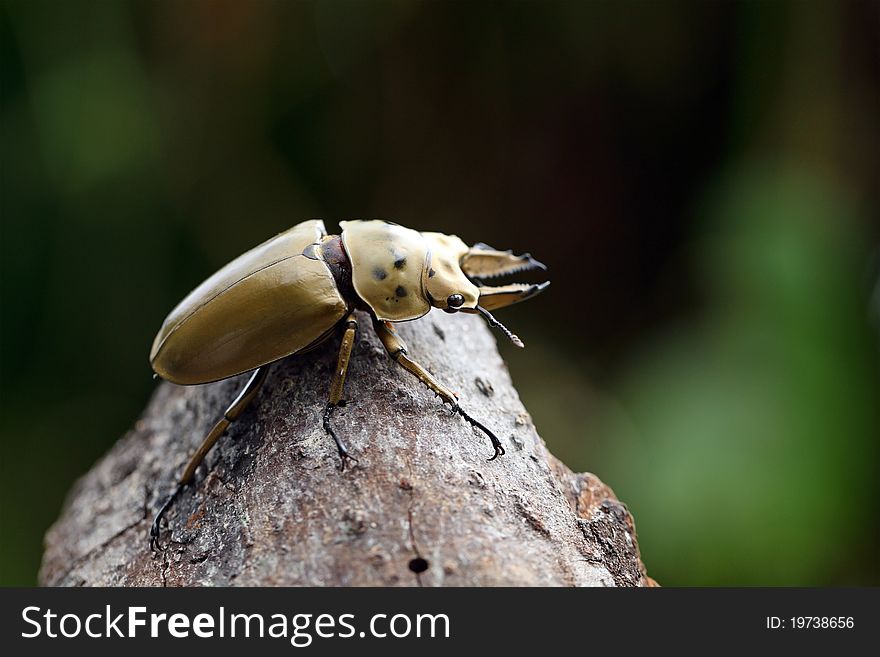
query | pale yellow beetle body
[273, 301]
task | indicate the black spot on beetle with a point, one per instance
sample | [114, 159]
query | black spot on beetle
[431, 273]
[380, 274]
[400, 291]
[400, 263]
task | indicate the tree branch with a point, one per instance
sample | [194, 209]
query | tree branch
[422, 507]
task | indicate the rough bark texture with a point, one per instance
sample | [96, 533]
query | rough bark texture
[272, 508]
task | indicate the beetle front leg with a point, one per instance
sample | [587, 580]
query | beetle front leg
[337, 385]
[235, 409]
[396, 348]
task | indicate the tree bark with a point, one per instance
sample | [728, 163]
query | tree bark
[422, 507]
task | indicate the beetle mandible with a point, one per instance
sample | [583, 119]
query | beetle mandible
[291, 292]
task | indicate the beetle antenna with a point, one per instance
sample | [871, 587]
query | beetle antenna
[513, 337]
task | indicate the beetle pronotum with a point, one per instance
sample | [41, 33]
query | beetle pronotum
[289, 294]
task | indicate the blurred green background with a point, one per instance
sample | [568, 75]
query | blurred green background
[701, 177]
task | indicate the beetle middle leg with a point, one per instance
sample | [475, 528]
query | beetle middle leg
[235, 409]
[396, 348]
[337, 384]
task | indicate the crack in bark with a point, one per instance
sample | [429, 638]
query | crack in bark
[164, 572]
[410, 490]
[415, 547]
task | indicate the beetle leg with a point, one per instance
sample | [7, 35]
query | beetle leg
[396, 348]
[235, 409]
[337, 384]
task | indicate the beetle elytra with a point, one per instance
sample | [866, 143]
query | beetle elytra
[293, 291]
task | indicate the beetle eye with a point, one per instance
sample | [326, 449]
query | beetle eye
[454, 300]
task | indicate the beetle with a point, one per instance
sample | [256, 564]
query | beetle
[295, 290]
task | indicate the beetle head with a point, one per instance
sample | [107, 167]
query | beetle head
[446, 285]
[456, 275]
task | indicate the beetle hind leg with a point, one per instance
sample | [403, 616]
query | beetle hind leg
[235, 409]
[396, 348]
[336, 386]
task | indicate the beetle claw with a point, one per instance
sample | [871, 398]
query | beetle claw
[155, 545]
[344, 454]
[345, 457]
[499, 451]
[496, 444]
[155, 528]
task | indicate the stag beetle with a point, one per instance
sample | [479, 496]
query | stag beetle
[291, 292]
